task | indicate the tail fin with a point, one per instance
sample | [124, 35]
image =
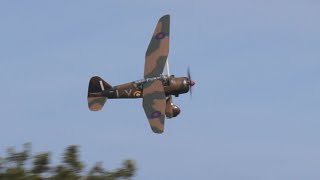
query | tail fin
[96, 86]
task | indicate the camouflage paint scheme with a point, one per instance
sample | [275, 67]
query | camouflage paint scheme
[171, 85]
[155, 89]
[156, 94]
[96, 103]
[154, 104]
[158, 49]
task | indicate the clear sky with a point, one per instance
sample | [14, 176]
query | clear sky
[255, 113]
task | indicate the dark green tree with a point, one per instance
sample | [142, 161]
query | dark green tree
[19, 158]
[40, 165]
[22, 165]
[71, 159]
[71, 166]
[97, 172]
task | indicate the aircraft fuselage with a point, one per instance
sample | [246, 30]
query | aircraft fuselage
[172, 86]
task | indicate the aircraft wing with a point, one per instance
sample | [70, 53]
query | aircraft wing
[158, 49]
[154, 104]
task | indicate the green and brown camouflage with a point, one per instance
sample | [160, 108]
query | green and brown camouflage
[154, 104]
[96, 85]
[158, 49]
[171, 85]
[155, 89]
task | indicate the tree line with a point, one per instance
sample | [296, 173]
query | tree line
[23, 165]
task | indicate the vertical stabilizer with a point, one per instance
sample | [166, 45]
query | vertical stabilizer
[96, 86]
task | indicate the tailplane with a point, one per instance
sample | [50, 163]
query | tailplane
[95, 99]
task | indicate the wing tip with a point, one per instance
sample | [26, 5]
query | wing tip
[157, 130]
[165, 17]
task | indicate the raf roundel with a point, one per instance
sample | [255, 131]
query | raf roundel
[155, 114]
[160, 35]
[137, 94]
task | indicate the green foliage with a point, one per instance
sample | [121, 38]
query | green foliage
[62, 172]
[24, 166]
[71, 159]
[19, 158]
[13, 173]
[40, 163]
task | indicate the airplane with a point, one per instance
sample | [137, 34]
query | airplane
[156, 88]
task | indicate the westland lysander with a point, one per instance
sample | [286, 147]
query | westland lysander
[156, 89]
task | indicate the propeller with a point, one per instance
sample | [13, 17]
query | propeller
[191, 83]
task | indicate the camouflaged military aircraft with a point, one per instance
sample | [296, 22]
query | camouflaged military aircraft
[156, 88]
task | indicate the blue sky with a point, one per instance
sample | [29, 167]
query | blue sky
[255, 110]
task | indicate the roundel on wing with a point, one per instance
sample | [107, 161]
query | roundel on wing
[155, 114]
[160, 35]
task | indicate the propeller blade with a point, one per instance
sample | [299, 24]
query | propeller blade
[191, 83]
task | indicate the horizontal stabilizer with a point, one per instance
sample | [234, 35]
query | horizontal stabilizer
[96, 103]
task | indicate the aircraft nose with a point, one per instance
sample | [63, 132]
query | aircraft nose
[192, 83]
